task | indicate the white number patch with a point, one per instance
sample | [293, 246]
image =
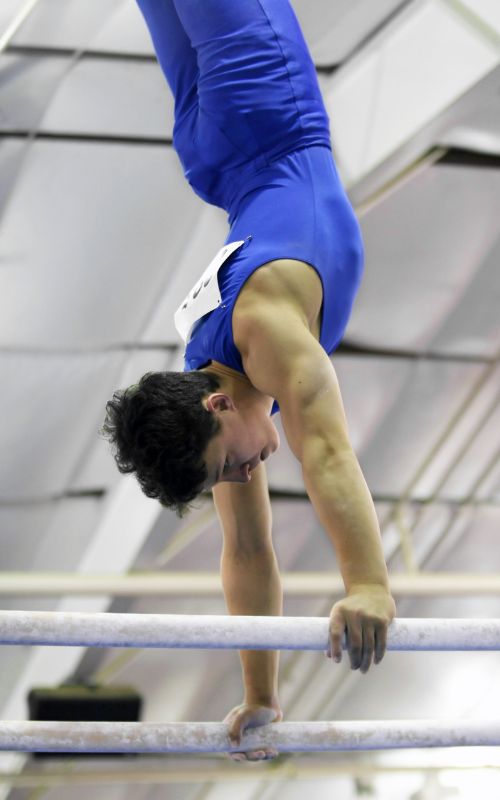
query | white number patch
[204, 296]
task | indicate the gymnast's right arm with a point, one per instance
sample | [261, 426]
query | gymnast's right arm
[252, 586]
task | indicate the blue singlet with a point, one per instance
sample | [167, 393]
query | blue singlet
[252, 133]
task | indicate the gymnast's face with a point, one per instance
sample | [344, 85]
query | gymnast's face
[247, 436]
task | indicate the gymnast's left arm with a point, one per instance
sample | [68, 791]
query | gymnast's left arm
[283, 359]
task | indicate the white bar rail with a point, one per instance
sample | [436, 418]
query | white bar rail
[226, 632]
[212, 737]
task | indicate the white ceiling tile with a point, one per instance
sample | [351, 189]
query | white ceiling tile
[67, 536]
[476, 422]
[484, 449]
[12, 663]
[431, 83]
[370, 386]
[12, 153]
[54, 409]
[113, 98]
[28, 84]
[350, 97]
[105, 234]
[490, 488]
[334, 28]
[65, 23]
[398, 108]
[23, 527]
[124, 32]
[456, 682]
[417, 418]
[479, 130]
[428, 526]
[474, 547]
[430, 247]
[488, 11]
[8, 12]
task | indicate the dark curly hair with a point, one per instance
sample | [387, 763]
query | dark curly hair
[160, 430]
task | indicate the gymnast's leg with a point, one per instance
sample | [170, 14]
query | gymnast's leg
[174, 52]
[257, 85]
[245, 87]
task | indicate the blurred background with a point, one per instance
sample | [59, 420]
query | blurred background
[101, 238]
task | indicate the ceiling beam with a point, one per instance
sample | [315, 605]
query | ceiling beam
[197, 773]
[203, 584]
[219, 772]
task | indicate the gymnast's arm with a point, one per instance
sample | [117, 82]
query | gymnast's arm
[283, 359]
[250, 574]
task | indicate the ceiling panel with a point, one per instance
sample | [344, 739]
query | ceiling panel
[478, 130]
[12, 152]
[28, 84]
[105, 238]
[124, 31]
[23, 527]
[486, 11]
[334, 28]
[399, 687]
[48, 536]
[89, 96]
[112, 98]
[12, 661]
[483, 451]
[490, 488]
[114, 26]
[53, 408]
[418, 417]
[473, 325]
[374, 112]
[431, 245]
[475, 548]
[8, 12]
[65, 23]
[454, 455]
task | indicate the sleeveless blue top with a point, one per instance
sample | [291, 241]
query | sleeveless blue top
[294, 208]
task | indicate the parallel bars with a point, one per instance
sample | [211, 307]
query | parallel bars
[209, 631]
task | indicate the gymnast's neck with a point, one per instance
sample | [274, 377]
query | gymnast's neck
[238, 386]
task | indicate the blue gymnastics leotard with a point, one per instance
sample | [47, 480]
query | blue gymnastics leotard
[252, 134]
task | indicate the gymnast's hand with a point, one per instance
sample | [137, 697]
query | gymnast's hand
[249, 715]
[365, 614]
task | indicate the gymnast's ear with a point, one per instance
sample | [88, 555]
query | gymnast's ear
[218, 401]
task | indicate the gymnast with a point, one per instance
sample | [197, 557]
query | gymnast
[253, 138]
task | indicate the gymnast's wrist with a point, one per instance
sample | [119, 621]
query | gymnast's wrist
[254, 697]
